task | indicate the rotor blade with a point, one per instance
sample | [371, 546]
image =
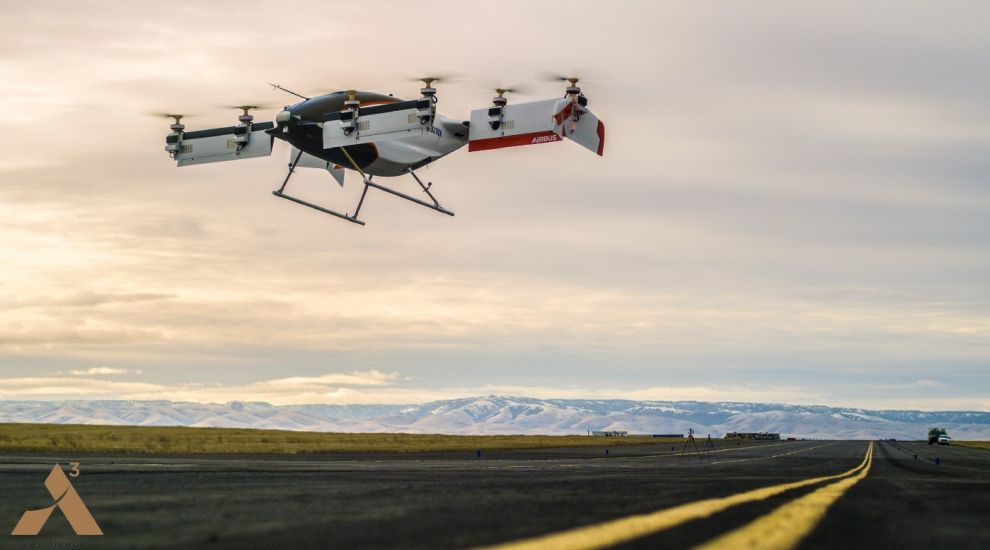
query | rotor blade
[162, 114]
[250, 106]
[435, 77]
[516, 89]
[552, 76]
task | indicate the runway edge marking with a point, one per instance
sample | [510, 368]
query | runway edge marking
[781, 455]
[677, 454]
[625, 529]
[789, 524]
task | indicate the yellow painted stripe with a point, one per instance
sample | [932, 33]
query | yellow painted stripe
[625, 529]
[789, 524]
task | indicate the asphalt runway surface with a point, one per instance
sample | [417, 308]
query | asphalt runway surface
[834, 494]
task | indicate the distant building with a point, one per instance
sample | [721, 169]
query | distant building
[759, 436]
[610, 433]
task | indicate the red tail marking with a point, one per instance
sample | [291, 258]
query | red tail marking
[601, 138]
[560, 117]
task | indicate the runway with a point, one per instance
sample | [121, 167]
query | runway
[850, 494]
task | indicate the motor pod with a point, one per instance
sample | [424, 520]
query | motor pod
[496, 112]
[173, 142]
[349, 115]
[348, 120]
[495, 115]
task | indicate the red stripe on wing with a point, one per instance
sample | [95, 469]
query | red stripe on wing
[513, 141]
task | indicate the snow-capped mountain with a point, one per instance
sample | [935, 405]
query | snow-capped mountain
[514, 415]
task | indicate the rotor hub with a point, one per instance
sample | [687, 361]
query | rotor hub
[500, 101]
[246, 117]
[177, 127]
[352, 101]
[428, 91]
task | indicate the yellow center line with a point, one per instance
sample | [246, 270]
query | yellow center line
[786, 526]
[625, 529]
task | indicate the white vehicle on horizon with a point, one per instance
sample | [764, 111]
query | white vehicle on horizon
[944, 440]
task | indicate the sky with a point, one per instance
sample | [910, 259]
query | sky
[793, 206]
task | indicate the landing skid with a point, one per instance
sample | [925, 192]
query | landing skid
[366, 179]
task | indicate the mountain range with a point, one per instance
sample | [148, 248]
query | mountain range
[515, 415]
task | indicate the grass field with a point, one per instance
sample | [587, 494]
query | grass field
[985, 445]
[137, 439]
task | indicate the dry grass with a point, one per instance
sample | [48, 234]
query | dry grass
[137, 439]
[985, 445]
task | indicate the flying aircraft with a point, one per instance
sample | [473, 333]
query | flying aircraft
[376, 134]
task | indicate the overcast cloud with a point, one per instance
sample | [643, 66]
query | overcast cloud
[793, 207]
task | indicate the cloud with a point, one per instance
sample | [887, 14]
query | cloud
[922, 384]
[374, 387]
[778, 200]
[927, 383]
[327, 388]
[54, 387]
[103, 370]
[22, 335]
[356, 378]
[91, 299]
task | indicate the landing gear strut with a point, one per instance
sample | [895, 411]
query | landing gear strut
[366, 179]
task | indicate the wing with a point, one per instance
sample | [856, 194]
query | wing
[374, 124]
[581, 126]
[533, 123]
[221, 144]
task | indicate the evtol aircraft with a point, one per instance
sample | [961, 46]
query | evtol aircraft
[376, 134]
